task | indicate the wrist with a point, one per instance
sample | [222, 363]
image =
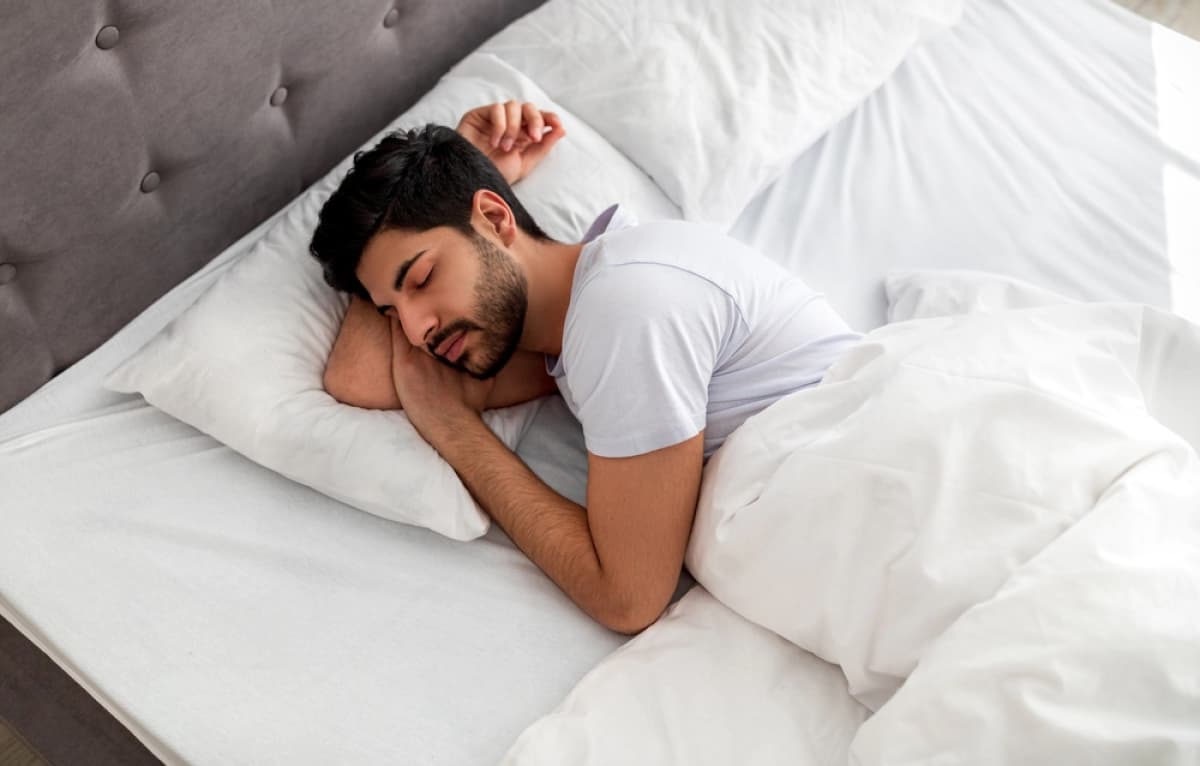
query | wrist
[452, 422]
[512, 179]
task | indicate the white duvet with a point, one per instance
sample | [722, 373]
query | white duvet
[982, 522]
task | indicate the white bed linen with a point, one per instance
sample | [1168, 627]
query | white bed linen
[988, 503]
[228, 615]
[704, 687]
[1055, 142]
[695, 78]
[223, 623]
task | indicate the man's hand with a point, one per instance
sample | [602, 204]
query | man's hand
[435, 397]
[514, 136]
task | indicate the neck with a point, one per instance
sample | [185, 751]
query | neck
[549, 271]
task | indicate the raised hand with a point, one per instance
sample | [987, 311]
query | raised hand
[514, 136]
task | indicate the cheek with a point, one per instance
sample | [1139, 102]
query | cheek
[448, 301]
[465, 294]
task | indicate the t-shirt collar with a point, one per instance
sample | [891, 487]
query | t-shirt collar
[611, 219]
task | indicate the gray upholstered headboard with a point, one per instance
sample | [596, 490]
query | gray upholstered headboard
[139, 138]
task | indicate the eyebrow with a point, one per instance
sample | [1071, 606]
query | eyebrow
[401, 273]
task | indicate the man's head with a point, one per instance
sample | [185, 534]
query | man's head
[422, 226]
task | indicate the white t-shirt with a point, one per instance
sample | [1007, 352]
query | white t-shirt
[674, 328]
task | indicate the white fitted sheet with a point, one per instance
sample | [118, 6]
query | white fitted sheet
[227, 615]
[1057, 142]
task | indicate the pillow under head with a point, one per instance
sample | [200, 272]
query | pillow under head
[245, 362]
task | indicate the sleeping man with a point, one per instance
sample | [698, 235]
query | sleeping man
[662, 339]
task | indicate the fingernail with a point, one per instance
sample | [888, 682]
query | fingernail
[507, 144]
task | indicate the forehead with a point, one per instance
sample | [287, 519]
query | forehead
[388, 250]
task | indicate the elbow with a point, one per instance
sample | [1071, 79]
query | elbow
[631, 618]
[629, 628]
[335, 384]
[348, 387]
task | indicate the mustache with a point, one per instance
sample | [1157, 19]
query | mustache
[457, 326]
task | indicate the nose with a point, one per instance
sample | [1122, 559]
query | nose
[418, 320]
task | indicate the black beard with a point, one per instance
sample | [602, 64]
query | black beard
[501, 300]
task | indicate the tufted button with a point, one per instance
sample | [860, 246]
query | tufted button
[107, 37]
[391, 18]
[8, 273]
[150, 182]
[279, 96]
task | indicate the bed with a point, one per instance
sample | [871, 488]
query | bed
[225, 614]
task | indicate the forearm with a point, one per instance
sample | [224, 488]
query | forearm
[550, 529]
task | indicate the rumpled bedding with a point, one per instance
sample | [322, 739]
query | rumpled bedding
[989, 523]
[703, 686]
[979, 519]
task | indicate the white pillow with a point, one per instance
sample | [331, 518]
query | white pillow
[244, 363]
[922, 294]
[714, 98]
[701, 686]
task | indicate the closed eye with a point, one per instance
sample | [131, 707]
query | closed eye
[425, 281]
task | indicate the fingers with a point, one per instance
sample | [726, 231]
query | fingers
[534, 152]
[496, 115]
[556, 127]
[534, 124]
[512, 124]
[400, 340]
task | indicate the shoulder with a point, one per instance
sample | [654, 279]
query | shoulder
[655, 263]
[634, 298]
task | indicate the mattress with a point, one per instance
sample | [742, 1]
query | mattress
[228, 615]
[1058, 143]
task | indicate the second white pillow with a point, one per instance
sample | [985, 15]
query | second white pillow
[714, 98]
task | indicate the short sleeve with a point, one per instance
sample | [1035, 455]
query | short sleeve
[639, 351]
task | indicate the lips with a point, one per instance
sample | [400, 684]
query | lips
[443, 350]
[456, 348]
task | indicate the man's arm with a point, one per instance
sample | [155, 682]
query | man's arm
[359, 370]
[619, 559]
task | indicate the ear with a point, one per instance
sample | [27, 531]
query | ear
[492, 215]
